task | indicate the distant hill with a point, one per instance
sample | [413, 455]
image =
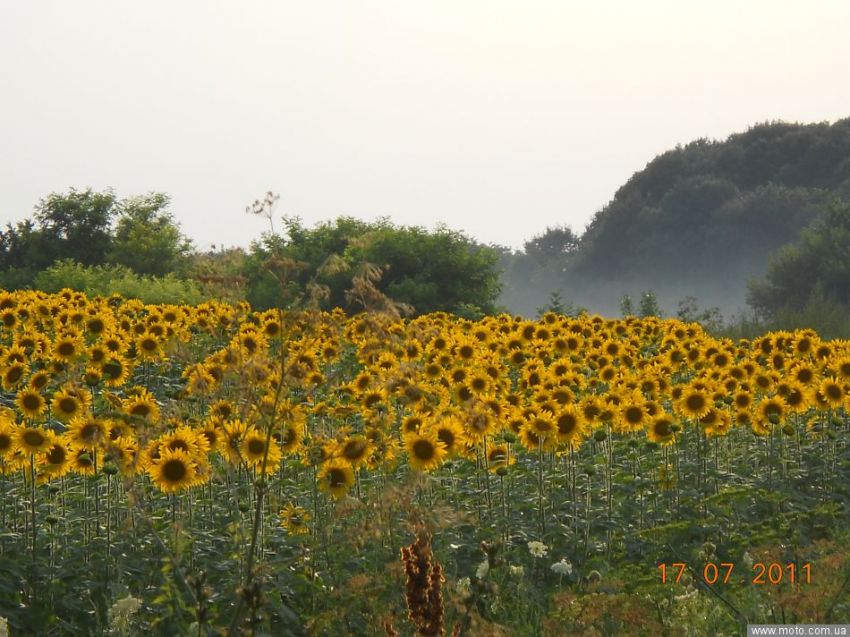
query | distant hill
[699, 220]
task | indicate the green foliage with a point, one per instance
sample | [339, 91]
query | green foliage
[116, 279]
[543, 264]
[689, 312]
[558, 305]
[75, 225]
[698, 220]
[814, 270]
[78, 226]
[627, 307]
[147, 240]
[648, 305]
[440, 270]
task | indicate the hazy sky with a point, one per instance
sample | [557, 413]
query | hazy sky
[496, 117]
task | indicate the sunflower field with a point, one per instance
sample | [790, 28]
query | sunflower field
[212, 470]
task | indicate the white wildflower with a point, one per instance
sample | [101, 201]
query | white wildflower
[562, 568]
[538, 549]
[747, 559]
[121, 613]
[462, 586]
[519, 571]
[482, 570]
[4, 627]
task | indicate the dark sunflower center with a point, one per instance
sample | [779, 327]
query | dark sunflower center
[56, 455]
[834, 392]
[695, 402]
[89, 432]
[33, 438]
[68, 405]
[141, 409]
[336, 477]
[66, 349]
[14, 374]
[663, 428]
[174, 470]
[354, 449]
[633, 415]
[112, 370]
[772, 409]
[256, 447]
[447, 437]
[498, 455]
[31, 401]
[5, 442]
[566, 424]
[424, 450]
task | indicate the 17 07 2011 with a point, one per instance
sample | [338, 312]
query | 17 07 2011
[763, 573]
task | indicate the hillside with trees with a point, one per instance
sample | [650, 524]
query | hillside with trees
[700, 220]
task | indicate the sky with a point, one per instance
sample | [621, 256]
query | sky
[498, 118]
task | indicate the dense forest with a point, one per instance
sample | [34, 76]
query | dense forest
[758, 222]
[700, 220]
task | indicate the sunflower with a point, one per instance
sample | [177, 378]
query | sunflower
[8, 433]
[87, 432]
[31, 403]
[230, 445]
[354, 450]
[13, 374]
[143, 405]
[694, 403]
[55, 461]
[769, 411]
[31, 440]
[425, 451]
[336, 478]
[292, 437]
[797, 397]
[210, 430]
[39, 380]
[82, 461]
[254, 447]
[742, 400]
[295, 519]
[116, 371]
[499, 457]
[570, 426]
[173, 471]
[123, 451]
[148, 347]
[450, 433]
[832, 392]
[531, 439]
[632, 415]
[842, 367]
[67, 347]
[479, 423]
[661, 429]
[187, 439]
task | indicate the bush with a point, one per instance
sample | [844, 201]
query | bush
[116, 279]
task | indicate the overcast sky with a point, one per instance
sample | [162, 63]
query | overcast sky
[497, 117]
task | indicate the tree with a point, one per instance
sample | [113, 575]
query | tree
[818, 265]
[147, 239]
[75, 225]
[438, 270]
[648, 305]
